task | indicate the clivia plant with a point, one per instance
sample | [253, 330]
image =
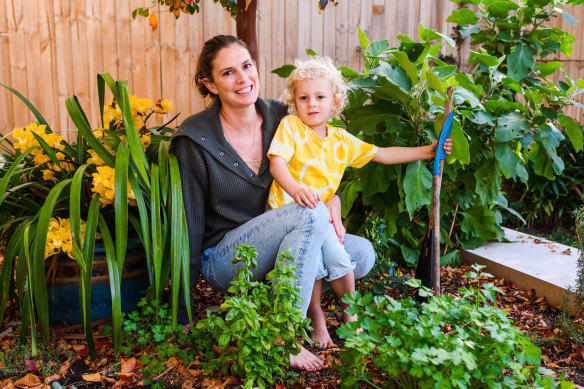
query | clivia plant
[111, 182]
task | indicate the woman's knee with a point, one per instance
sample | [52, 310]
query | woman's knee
[317, 218]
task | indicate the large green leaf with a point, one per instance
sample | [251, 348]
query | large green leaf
[427, 34]
[511, 126]
[394, 74]
[520, 62]
[350, 193]
[478, 222]
[435, 83]
[488, 179]
[501, 8]
[462, 17]
[417, 184]
[407, 65]
[573, 131]
[157, 237]
[462, 95]
[460, 147]
[507, 159]
[547, 68]
[367, 118]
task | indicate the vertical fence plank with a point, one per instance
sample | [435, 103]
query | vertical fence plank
[7, 123]
[18, 66]
[50, 49]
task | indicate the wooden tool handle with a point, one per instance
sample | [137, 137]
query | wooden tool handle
[435, 212]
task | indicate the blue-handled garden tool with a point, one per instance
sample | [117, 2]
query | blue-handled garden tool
[428, 269]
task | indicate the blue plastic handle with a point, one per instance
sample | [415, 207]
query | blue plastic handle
[444, 134]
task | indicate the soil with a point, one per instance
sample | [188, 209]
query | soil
[531, 314]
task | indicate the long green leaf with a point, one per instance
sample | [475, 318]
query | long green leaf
[157, 243]
[9, 173]
[111, 83]
[142, 227]
[114, 281]
[121, 202]
[80, 120]
[75, 201]
[38, 255]
[32, 108]
[6, 271]
[179, 242]
[30, 289]
[137, 151]
[85, 290]
[163, 151]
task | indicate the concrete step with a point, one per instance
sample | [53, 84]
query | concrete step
[530, 263]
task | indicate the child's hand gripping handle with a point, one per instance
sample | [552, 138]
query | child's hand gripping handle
[444, 134]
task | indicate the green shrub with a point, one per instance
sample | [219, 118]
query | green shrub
[509, 121]
[259, 331]
[447, 342]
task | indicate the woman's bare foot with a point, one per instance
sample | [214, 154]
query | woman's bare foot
[306, 360]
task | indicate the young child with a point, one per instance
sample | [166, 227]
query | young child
[308, 158]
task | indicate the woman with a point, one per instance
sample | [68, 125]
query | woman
[226, 178]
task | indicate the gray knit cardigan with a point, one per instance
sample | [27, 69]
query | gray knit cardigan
[220, 191]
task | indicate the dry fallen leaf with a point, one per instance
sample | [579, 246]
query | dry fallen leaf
[127, 365]
[7, 384]
[48, 380]
[28, 380]
[95, 377]
[65, 368]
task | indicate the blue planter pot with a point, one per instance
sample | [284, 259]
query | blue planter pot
[63, 285]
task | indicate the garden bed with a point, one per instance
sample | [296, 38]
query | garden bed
[545, 324]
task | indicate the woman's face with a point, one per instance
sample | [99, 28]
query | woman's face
[235, 77]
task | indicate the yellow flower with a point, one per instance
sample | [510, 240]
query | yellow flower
[25, 138]
[145, 139]
[48, 175]
[111, 114]
[95, 159]
[139, 105]
[163, 106]
[104, 185]
[59, 237]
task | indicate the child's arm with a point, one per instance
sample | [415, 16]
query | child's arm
[303, 195]
[395, 155]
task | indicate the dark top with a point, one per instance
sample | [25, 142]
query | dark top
[220, 191]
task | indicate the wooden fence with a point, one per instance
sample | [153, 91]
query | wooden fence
[51, 49]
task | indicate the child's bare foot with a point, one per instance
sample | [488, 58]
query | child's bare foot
[321, 338]
[306, 360]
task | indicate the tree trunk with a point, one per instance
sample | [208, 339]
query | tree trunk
[245, 24]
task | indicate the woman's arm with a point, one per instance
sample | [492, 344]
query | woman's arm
[303, 195]
[395, 155]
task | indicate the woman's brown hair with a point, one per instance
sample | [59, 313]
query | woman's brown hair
[208, 54]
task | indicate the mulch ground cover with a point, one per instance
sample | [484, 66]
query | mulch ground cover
[530, 313]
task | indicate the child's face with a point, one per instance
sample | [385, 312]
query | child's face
[314, 102]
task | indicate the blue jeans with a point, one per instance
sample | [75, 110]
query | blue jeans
[336, 261]
[290, 227]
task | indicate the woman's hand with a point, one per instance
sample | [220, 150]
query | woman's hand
[334, 208]
[306, 196]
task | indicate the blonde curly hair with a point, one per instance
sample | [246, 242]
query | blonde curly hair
[316, 67]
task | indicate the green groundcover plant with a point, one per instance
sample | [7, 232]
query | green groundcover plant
[259, 331]
[509, 122]
[448, 342]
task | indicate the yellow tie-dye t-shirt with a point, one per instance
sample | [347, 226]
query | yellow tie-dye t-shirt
[314, 161]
